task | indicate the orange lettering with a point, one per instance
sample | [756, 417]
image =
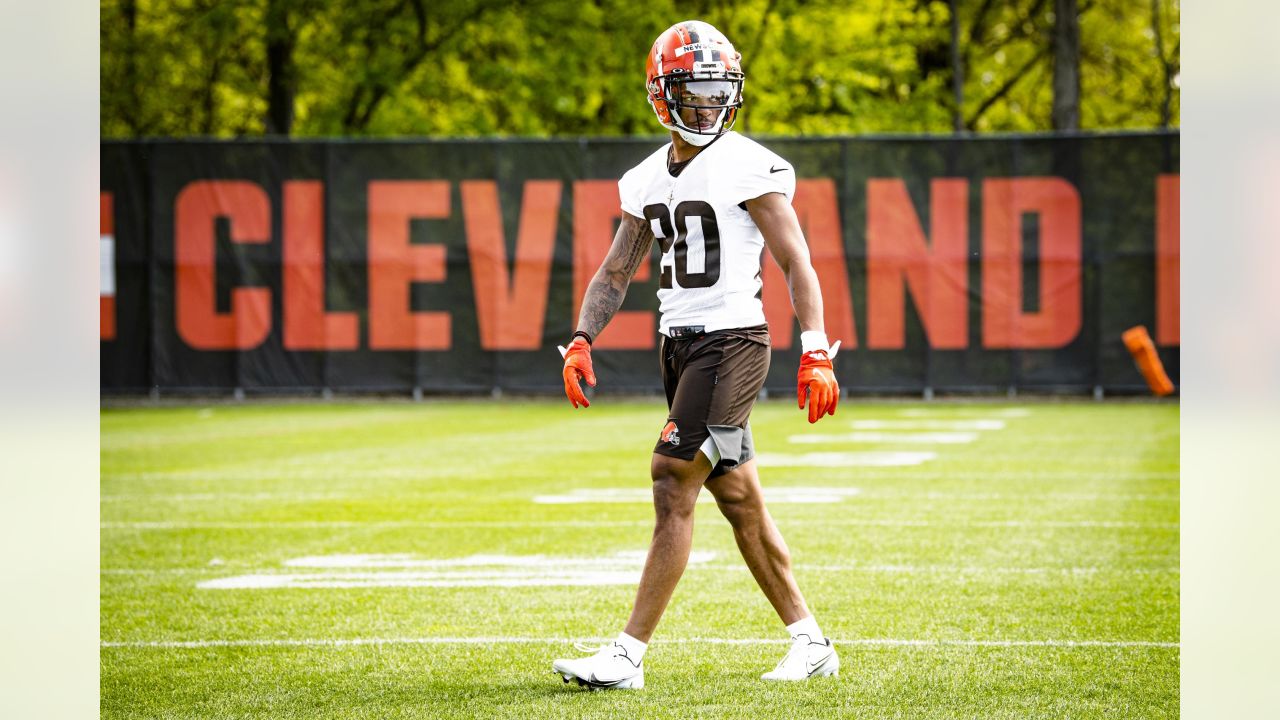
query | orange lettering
[306, 324]
[900, 260]
[595, 207]
[199, 323]
[1057, 322]
[816, 207]
[511, 309]
[395, 264]
[1168, 262]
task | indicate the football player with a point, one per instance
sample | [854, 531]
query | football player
[713, 200]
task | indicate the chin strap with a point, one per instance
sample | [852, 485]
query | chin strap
[695, 139]
[698, 139]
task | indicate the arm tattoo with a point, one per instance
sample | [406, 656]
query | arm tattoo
[637, 239]
[598, 307]
[608, 288]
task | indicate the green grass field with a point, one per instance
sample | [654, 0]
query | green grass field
[386, 560]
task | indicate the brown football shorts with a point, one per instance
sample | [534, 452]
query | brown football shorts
[712, 381]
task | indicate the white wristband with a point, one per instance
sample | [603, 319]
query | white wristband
[811, 340]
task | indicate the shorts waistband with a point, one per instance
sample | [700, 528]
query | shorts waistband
[686, 331]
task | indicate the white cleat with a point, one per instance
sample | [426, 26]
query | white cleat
[806, 659]
[609, 669]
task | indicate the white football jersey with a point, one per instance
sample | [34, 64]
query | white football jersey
[711, 249]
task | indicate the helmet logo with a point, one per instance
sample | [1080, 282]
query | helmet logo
[671, 433]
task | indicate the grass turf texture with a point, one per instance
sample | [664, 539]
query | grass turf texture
[1061, 527]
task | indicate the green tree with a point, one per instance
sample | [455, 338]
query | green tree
[575, 67]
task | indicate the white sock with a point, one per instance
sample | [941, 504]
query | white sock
[807, 626]
[635, 649]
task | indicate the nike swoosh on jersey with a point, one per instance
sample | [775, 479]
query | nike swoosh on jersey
[773, 169]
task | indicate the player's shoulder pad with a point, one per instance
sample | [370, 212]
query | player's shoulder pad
[633, 183]
[655, 160]
[755, 157]
[644, 170]
[757, 170]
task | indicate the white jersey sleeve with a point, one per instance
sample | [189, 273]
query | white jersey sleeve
[760, 171]
[632, 185]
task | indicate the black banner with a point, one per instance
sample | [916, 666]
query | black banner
[967, 265]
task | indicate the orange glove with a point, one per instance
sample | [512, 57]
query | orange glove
[818, 377]
[577, 365]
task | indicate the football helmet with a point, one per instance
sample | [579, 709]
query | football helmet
[694, 78]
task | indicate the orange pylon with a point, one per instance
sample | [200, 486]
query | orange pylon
[1143, 350]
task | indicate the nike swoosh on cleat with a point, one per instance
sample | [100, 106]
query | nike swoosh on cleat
[814, 666]
[773, 169]
[593, 682]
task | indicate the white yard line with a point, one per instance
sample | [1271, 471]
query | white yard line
[400, 570]
[1110, 524]
[889, 438]
[844, 459]
[406, 560]
[967, 569]
[320, 472]
[960, 412]
[502, 640]
[1066, 497]
[405, 570]
[227, 496]
[332, 524]
[780, 494]
[392, 579]
[325, 525]
[887, 569]
[928, 424]
[784, 495]
[891, 473]
[1023, 475]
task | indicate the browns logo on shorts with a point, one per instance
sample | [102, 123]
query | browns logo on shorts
[712, 381]
[670, 434]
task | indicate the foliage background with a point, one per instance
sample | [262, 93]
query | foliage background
[543, 68]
